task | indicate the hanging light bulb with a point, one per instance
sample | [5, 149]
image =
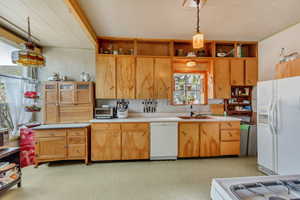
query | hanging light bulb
[27, 57]
[198, 38]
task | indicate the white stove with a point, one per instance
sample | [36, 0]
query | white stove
[257, 188]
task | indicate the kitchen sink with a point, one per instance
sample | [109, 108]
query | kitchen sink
[195, 117]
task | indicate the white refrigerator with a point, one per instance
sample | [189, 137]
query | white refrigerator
[278, 128]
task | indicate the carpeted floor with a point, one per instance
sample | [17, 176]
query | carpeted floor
[159, 180]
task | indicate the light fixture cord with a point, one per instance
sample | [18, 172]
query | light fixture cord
[198, 16]
[29, 32]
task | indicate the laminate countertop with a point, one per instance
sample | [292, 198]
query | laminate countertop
[61, 126]
[165, 119]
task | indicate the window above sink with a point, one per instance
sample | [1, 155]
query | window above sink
[190, 88]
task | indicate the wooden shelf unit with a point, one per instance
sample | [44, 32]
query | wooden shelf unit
[230, 107]
[172, 47]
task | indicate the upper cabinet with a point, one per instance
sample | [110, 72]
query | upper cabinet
[251, 72]
[162, 78]
[222, 78]
[288, 69]
[134, 68]
[106, 77]
[237, 72]
[125, 77]
[144, 78]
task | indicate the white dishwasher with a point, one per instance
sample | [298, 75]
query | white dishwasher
[164, 141]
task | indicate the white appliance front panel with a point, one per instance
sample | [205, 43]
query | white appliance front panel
[265, 137]
[164, 141]
[288, 126]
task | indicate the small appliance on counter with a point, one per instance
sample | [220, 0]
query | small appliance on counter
[4, 136]
[122, 109]
[104, 112]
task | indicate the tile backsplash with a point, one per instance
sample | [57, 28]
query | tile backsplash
[163, 106]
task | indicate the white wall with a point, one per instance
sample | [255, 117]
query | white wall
[69, 62]
[269, 50]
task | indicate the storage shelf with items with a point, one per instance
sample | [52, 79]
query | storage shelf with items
[183, 48]
[240, 102]
[246, 49]
[225, 49]
[116, 46]
[10, 171]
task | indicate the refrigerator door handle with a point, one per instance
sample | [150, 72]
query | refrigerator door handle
[271, 116]
[278, 120]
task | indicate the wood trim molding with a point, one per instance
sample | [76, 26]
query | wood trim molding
[83, 20]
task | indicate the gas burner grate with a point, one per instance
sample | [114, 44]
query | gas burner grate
[272, 190]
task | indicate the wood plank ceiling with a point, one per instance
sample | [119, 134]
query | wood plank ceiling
[51, 21]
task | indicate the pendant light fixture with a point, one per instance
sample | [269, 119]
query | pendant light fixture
[198, 38]
[27, 57]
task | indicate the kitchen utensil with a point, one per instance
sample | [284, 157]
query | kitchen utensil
[84, 76]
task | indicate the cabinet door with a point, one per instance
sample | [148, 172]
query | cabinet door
[222, 79]
[105, 77]
[51, 114]
[67, 92]
[84, 93]
[135, 141]
[209, 139]
[75, 113]
[125, 77]
[189, 140]
[51, 148]
[251, 69]
[51, 93]
[106, 143]
[144, 78]
[162, 78]
[237, 72]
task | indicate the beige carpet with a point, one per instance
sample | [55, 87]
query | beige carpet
[167, 180]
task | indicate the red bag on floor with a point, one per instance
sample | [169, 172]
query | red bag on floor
[27, 148]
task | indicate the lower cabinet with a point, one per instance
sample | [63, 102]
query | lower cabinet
[128, 141]
[61, 144]
[106, 142]
[208, 139]
[189, 140]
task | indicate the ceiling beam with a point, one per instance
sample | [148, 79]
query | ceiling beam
[83, 21]
[13, 38]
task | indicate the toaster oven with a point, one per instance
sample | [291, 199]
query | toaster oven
[104, 113]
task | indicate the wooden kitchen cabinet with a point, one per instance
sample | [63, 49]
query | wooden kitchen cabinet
[162, 78]
[230, 138]
[251, 72]
[222, 79]
[106, 142]
[70, 102]
[106, 77]
[237, 71]
[51, 148]
[209, 139]
[144, 78]
[125, 77]
[61, 144]
[189, 139]
[135, 141]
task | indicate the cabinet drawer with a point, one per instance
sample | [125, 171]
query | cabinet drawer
[76, 140]
[106, 126]
[76, 151]
[230, 135]
[76, 132]
[140, 126]
[51, 133]
[230, 148]
[230, 125]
